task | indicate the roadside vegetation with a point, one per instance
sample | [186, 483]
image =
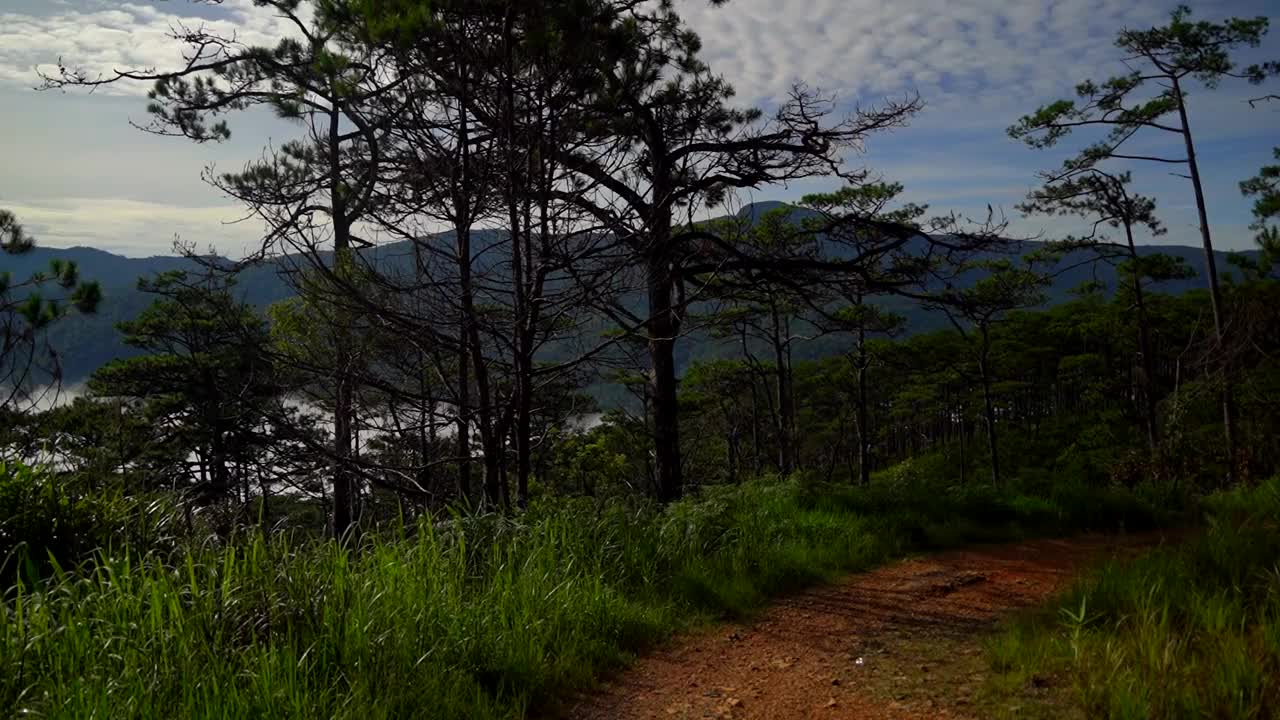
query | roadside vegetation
[466, 618]
[1191, 630]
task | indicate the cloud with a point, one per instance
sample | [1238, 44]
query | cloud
[132, 227]
[101, 37]
[859, 48]
[865, 49]
[978, 64]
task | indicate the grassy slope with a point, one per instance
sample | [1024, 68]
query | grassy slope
[480, 618]
[1190, 631]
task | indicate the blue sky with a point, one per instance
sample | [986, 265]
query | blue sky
[78, 174]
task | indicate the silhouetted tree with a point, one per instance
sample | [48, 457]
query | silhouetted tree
[974, 311]
[669, 143]
[1167, 57]
[1104, 198]
[1265, 189]
[206, 383]
[310, 192]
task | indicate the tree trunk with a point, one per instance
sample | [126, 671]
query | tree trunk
[264, 505]
[662, 329]
[521, 327]
[246, 490]
[221, 484]
[202, 471]
[464, 422]
[793, 434]
[786, 453]
[864, 447]
[1215, 292]
[1144, 348]
[469, 340]
[426, 399]
[757, 457]
[344, 396]
[425, 420]
[523, 441]
[490, 442]
[343, 482]
[990, 413]
[484, 404]
[731, 446]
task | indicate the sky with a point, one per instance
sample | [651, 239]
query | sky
[77, 173]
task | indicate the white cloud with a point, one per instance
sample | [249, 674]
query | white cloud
[132, 227]
[79, 175]
[860, 48]
[977, 63]
[867, 48]
[101, 37]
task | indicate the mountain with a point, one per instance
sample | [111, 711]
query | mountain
[88, 342]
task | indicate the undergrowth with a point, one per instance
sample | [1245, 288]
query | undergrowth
[1186, 631]
[478, 617]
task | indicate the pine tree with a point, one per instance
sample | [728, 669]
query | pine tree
[27, 360]
[1169, 58]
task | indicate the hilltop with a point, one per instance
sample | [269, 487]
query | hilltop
[86, 343]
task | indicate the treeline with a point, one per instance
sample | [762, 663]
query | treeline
[546, 172]
[1068, 394]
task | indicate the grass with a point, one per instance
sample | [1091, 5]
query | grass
[1187, 631]
[476, 618]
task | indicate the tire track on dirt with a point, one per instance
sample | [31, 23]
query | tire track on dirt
[901, 641]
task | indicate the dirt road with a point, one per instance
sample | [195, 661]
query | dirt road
[903, 641]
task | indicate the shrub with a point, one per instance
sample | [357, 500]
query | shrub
[45, 525]
[1186, 631]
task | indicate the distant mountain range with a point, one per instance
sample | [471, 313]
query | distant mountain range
[88, 342]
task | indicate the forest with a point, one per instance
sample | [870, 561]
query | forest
[547, 389]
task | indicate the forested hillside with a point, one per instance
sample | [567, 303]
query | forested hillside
[88, 342]
[380, 470]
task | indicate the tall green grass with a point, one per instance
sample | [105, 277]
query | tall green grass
[44, 521]
[1191, 631]
[474, 618]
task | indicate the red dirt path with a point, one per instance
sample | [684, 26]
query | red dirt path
[832, 652]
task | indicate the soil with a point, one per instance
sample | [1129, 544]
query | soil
[904, 641]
